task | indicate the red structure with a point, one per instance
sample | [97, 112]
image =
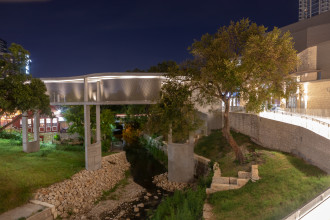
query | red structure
[47, 124]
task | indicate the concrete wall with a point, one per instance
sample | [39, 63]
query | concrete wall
[284, 137]
[181, 164]
[323, 54]
[318, 95]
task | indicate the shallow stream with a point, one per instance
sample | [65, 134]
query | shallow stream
[143, 168]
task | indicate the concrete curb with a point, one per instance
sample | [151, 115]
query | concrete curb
[41, 215]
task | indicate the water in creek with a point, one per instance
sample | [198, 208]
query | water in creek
[143, 168]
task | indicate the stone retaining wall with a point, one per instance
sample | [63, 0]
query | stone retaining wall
[281, 136]
[79, 193]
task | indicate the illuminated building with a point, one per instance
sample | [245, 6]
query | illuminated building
[310, 8]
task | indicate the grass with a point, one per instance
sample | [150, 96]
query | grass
[21, 173]
[186, 204]
[286, 184]
[108, 194]
[182, 205]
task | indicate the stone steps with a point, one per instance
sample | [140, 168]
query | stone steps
[220, 183]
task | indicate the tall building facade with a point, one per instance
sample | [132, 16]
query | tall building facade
[3, 46]
[310, 8]
[4, 49]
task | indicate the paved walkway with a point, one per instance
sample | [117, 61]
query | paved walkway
[22, 211]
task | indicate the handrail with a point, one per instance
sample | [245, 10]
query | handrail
[317, 126]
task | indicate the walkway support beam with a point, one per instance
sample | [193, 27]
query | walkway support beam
[33, 146]
[93, 153]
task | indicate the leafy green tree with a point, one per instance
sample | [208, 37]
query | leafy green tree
[163, 67]
[75, 117]
[175, 110]
[18, 91]
[241, 60]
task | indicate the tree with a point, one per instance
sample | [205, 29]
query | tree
[241, 60]
[18, 91]
[163, 67]
[74, 115]
[176, 110]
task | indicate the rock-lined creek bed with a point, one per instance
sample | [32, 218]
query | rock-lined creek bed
[79, 193]
[82, 196]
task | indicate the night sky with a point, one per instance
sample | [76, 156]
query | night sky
[76, 37]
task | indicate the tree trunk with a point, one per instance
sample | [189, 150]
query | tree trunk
[226, 133]
[13, 121]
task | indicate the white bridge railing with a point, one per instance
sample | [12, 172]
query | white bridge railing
[318, 126]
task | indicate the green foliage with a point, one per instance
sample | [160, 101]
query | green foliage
[75, 117]
[163, 67]
[241, 60]
[286, 183]
[205, 181]
[186, 205]
[108, 194]
[174, 109]
[153, 146]
[213, 146]
[21, 173]
[15, 93]
[131, 133]
[57, 137]
[11, 135]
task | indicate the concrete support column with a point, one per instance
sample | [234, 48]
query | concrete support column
[36, 126]
[98, 124]
[33, 146]
[25, 137]
[181, 164]
[98, 120]
[93, 154]
[169, 136]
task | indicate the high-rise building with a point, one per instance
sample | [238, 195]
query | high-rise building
[4, 50]
[3, 46]
[310, 8]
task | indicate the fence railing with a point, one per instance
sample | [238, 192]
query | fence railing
[319, 127]
[322, 113]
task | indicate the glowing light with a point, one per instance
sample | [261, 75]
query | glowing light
[318, 127]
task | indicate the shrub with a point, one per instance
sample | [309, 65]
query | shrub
[106, 145]
[13, 135]
[57, 137]
[182, 205]
[153, 148]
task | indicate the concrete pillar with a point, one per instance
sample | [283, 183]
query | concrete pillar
[87, 122]
[181, 164]
[93, 153]
[33, 146]
[98, 120]
[169, 136]
[25, 137]
[36, 126]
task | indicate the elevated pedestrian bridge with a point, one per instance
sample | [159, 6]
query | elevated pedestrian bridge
[95, 89]
[111, 88]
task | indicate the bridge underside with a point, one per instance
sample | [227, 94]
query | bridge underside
[98, 89]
